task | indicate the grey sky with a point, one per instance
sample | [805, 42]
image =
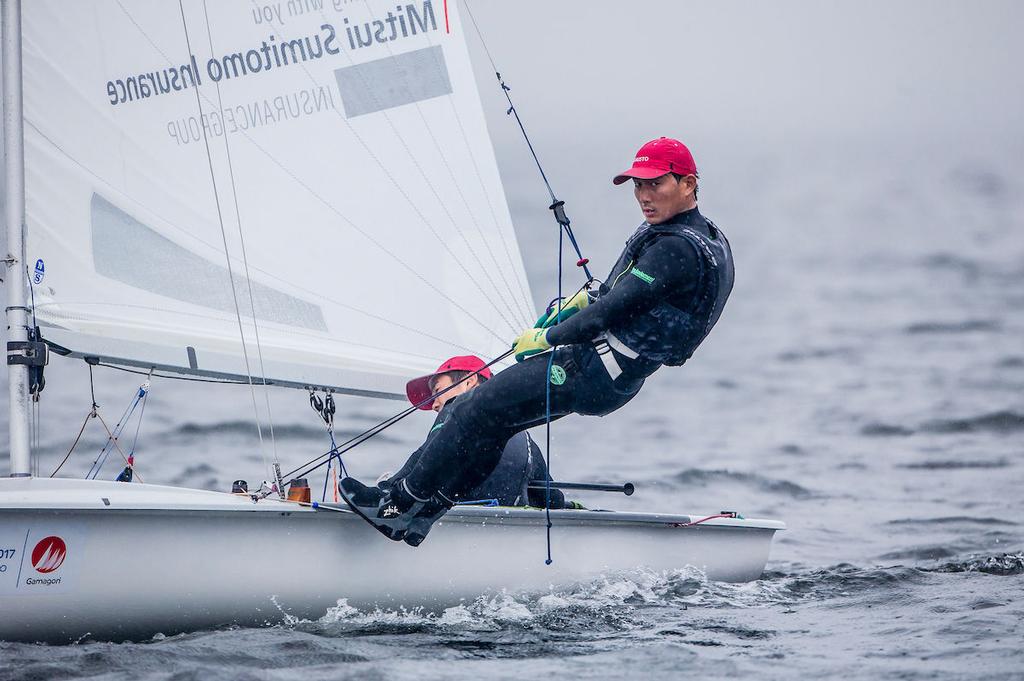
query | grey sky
[747, 85]
[765, 68]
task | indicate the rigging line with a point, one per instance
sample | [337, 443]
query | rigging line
[138, 424]
[112, 439]
[556, 205]
[245, 261]
[169, 376]
[73, 445]
[547, 407]
[525, 307]
[480, 35]
[390, 421]
[457, 185]
[35, 438]
[401, 190]
[118, 446]
[316, 195]
[227, 252]
[512, 108]
[124, 415]
[92, 390]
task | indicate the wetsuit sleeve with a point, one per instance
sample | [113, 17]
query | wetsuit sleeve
[669, 265]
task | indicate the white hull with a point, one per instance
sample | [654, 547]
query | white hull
[159, 559]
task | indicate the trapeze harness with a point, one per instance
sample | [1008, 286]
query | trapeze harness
[670, 331]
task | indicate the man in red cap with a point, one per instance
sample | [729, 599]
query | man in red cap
[521, 460]
[664, 294]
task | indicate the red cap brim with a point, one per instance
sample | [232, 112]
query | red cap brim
[418, 390]
[640, 173]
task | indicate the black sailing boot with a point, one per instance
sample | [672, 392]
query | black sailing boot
[390, 511]
[431, 512]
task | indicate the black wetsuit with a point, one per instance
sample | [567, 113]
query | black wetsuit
[468, 442]
[521, 461]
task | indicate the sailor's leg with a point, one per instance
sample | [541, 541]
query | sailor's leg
[578, 383]
[469, 445]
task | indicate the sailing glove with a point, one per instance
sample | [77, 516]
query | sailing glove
[531, 342]
[569, 308]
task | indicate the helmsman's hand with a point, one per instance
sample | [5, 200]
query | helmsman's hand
[530, 342]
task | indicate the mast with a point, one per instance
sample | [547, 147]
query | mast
[14, 178]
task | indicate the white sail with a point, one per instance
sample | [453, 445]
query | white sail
[315, 173]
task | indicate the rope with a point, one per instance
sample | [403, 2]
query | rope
[101, 458]
[564, 230]
[138, 426]
[73, 444]
[362, 437]
[91, 414]
[547, 411]
[172, 377]
[326, 409]
[245, 262]
[111, 437]
[726, 514]
[227, 252]
[557, 206]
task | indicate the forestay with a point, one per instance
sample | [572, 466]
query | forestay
[323, 168]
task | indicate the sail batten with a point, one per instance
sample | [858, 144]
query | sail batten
[339, 200]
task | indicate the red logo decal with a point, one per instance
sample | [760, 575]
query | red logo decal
[49, 554]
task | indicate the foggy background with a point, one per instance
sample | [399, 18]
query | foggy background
[756, 90]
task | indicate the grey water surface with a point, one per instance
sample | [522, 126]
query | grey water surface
[865, 385]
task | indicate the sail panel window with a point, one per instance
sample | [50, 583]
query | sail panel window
[386, 83]
[126, 250]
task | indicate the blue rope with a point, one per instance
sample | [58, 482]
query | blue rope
[101, 458]
[334, 454]
[138, 426]
[547, 405]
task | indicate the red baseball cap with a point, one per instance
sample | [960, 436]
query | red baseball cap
[658, 157]
[418, 389]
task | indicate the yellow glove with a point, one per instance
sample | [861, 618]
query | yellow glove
[531, 342]
[569, 308]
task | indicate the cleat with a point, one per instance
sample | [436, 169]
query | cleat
[390, 512]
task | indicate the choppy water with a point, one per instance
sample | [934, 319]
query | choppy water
[866, 385]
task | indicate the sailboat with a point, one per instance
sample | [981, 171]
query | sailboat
[289, 195]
